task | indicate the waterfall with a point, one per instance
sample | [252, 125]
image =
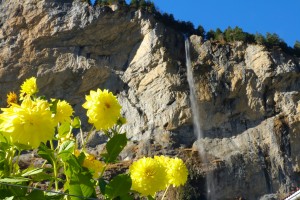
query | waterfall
[193, 96]
[196, 117]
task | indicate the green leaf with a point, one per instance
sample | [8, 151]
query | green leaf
[114, 147]
[73, 166]
[76, 122]
[81, 158]
[33, 172]
[149, 197]
[3, 139]
[53, 105]
[54, 196]
[5, 193]
[64, 129]
[41, 177]
[38, 174]
[46, 153]
[9, 198]
[14, 180]
[118, 186]
[66, 150]
[81, 185]
[68, 146]
[36, 194]
[4, 146]
[126, 197]
[23, 146]
[102, 184]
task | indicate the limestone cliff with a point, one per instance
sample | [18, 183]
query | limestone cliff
[248, 96]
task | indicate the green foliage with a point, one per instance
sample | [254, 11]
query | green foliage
[272, 39]
[101, 2]
[210, 35]
[134, 4]
[65, 167]
[114, 147]
[122, 2]
[150, 7]
[34, 171]
[14, 180]
[200, 31]
[46, 153]
[237, 34]
[297, 45]
[112, 2]
[260, 39]
[219, 35]
[183, 26]
[66, 149]
[119, 186]
[78, 181]
[297, 48]
[81, 185]
[144, 5]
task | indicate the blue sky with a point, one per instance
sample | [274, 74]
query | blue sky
[274, 16]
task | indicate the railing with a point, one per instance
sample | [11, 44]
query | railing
[294, 196]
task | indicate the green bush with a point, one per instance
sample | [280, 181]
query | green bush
[200, 31]
[297, 48]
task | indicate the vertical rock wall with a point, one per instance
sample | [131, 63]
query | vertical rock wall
[248, 96]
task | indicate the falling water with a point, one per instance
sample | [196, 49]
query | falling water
[196, 116]
[193, 97]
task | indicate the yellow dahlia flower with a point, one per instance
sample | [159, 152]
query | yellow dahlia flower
[12, 98]
[92, 164]
[27, 124]
[148, 176]
[103, 109]
[29, 87]
[164, 160]
[64, 111]
[177, 172]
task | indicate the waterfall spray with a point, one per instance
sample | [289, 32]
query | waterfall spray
[196, 116]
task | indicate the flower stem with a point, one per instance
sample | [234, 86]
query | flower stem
[87, 137]
[17, 160]
[165, 193]
[9, 156]
[55, 175]
[55, 170]
[51, 145]
[67, 177]
[103, 170]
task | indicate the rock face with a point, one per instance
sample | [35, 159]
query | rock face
[249, 107]
[248, 96]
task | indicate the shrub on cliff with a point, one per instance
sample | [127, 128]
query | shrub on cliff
[101, 3]
[297, 48]
[145, 5]
[237, 34]
[260, 39]
[200, 31]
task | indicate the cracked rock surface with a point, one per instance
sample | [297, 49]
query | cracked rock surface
[248, 96]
